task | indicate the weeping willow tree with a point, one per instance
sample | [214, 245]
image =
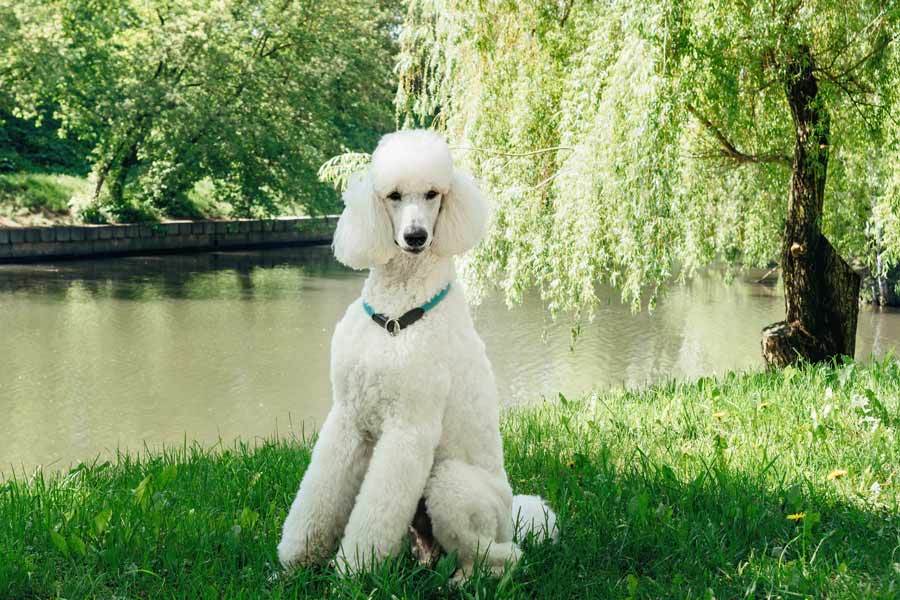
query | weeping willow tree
[630, 142]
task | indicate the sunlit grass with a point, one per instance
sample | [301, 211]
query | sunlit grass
[36, 198]
[757, 485]
[39, 198]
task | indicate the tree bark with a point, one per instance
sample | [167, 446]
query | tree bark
[117, 186]
[821, 291]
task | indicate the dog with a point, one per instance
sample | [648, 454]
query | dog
[415, 415]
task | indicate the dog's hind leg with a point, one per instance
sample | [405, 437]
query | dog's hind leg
[533, 517]
[471, 514]
[325, 499]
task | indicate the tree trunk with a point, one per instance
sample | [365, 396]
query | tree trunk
[117, 186]
[125, 163]
[101, 179]
[821, 291]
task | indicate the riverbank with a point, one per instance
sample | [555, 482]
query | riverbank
[30, 244]
[56, 195]
[767, 484]
[35, 199]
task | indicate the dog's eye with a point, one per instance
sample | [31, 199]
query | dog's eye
[431, 194]
[395, 196]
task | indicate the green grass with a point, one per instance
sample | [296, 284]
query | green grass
[38, 198]
[679, 491]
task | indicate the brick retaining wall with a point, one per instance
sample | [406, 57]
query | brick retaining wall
[86, 241]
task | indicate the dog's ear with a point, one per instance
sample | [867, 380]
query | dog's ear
[463, 218]
[364, 234]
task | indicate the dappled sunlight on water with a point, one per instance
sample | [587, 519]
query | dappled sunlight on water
[159, 350]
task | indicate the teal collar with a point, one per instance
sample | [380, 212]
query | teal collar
[394, 326]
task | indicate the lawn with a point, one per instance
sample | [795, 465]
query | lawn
[753, 485]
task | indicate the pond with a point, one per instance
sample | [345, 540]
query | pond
[149, 351]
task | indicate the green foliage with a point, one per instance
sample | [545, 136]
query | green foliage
[26, 146]
[249, 95]
[625, 142]
[338, 170]
[777, 484]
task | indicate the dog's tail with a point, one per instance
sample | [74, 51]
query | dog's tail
[532, 515]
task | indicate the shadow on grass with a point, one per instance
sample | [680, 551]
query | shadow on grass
[645, 532]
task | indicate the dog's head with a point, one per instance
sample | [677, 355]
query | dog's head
[411, 199]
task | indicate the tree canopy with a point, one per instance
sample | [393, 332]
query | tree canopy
[626, 142]
[249, 95]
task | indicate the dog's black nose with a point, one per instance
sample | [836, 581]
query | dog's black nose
[415, 237]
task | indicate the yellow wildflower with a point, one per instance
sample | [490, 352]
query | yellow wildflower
[763, 405]
[837, 474]
[720, 415]
[796, 516]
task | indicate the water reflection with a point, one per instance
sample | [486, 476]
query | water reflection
[119, 353]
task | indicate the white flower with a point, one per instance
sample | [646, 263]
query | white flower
[859, 401]
[826, 410]
[875, 489]
[829, 393]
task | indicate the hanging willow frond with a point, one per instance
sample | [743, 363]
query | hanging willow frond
[599, 171]
[337, 170]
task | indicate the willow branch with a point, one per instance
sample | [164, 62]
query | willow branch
[565, 15]
[847, 84]
[767, 273]
[876, 49]
[728, 149]
[512, 154]
[854, 38]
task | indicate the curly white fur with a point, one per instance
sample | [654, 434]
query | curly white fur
[414, 415]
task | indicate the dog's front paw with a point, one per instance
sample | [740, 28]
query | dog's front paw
[290, 553]
[355, 557]
[294, 551]
[348, 564]
[345, 567]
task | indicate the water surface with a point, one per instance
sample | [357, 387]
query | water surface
[122, 353]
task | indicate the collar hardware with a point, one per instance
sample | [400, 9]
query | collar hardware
[392, 326]
[395, 326]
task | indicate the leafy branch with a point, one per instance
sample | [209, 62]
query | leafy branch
[729, 151]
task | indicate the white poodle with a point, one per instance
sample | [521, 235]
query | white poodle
[415, 411]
